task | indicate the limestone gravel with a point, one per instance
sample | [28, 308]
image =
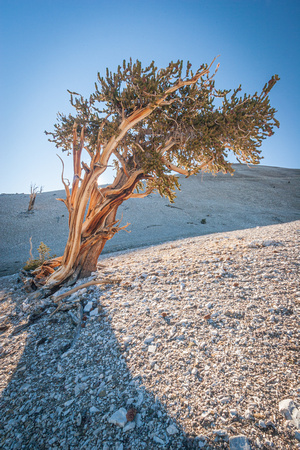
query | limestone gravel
[200, 339]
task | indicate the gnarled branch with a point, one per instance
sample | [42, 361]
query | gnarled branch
[140, 114]
[66, 186]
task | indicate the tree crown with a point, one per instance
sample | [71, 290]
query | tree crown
[161, 121]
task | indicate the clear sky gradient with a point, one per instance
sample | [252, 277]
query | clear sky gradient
[49, 46]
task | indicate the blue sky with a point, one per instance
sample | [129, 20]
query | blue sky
[49, 46]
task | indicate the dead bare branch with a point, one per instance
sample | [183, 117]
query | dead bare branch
[32, 197]
[30, 251]
[66, 186]
[85, 285]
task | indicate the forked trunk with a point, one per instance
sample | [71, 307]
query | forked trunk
[84, 248]
[91, 249]
[85, 262]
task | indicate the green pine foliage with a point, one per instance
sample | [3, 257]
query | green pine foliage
[44, 255]
[194, 128]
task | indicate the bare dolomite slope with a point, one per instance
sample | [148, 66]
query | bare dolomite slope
[254, 196]
[191, 344]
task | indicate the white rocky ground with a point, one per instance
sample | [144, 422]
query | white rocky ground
[199, 342]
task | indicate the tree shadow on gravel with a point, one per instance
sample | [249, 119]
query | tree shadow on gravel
[64, 386]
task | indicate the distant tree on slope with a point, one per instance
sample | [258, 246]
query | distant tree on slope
[151, 123]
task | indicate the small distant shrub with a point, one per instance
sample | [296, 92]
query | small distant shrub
[34, 263]
[44, 251]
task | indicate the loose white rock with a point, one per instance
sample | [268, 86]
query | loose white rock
[288, 409]
[93, 410]
[262, 424]
[129, 426]
[152, 348]
[88, 307]
[225, 400]
[119, 418]
[158, 440]
[239, 443]
[171, 430]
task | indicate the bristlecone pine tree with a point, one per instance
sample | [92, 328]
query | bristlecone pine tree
[152, 123]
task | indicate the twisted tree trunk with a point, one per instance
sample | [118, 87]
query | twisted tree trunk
[88, 237]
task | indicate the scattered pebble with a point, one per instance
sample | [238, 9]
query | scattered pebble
[239, 443]
[119, 417]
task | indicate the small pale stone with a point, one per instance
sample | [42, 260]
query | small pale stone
[158, 440]
[288, 409]
[80, 387]
[262, 424]
[202, 439]
[140, 399]
[93, 409]
[221, 433]
[271, 424]
[88, 307]
[129, 426]
[119, 418]
[248, 415]
[69, 402]
[152, 348]
[138, 420]
[77, 390]
[25, 387]
[172, 430]
[78, 420]
[239, 443]
[225, 400]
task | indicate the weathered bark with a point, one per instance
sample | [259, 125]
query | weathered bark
[87, 259]
[91, 248]
[87, 238]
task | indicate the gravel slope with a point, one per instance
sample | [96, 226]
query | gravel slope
[253, 197]
[196, 347]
